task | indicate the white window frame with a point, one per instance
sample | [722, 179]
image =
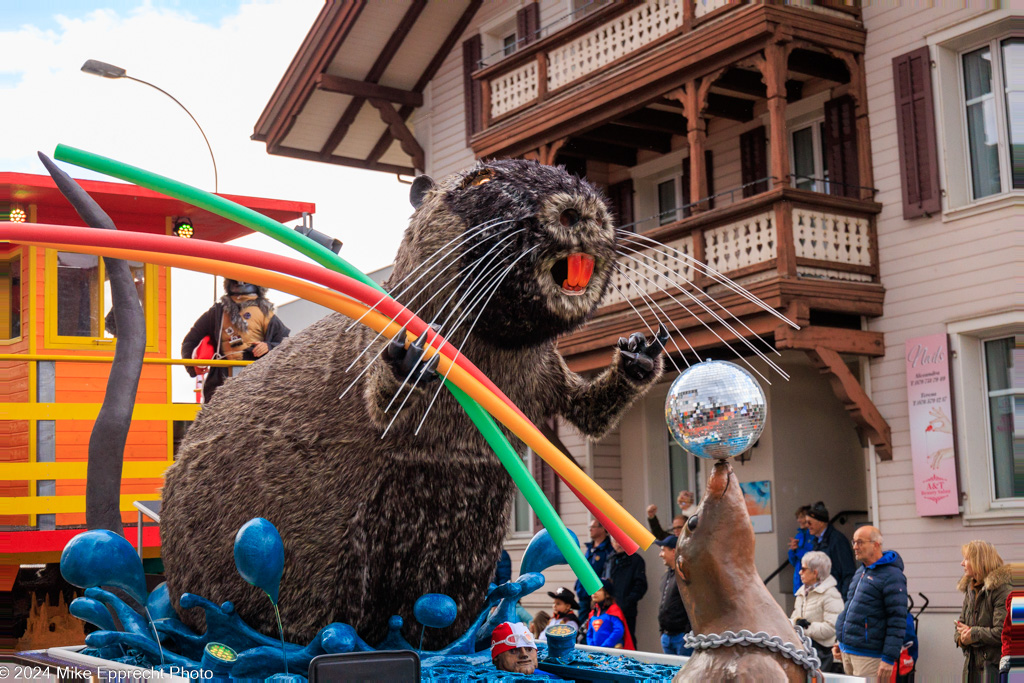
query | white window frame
[998, 95]
[970, 400]
[493, 34]
[817, 131]
[947, 48]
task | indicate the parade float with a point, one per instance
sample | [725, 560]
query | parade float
[715, 410]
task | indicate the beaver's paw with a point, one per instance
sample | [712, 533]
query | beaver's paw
[640, 357]
[407, 363]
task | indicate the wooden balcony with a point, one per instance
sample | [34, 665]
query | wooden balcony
[627, 55]
[807, 255]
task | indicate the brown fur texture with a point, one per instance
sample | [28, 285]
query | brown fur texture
[370, 524]
[722, 591]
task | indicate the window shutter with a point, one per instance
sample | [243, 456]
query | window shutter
[527, 24]
[548, 482]
[915, 133]
[472, 52]
[621, 197]
[754, 161]
[841, 147]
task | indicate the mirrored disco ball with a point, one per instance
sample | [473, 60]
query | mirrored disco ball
[715, 409]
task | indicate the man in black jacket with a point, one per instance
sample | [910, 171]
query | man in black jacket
[241, 326]
[833, 543]
[599, 550]
[628, 574]
[672, 618]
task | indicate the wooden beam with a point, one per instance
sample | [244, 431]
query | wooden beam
[365, 90]
[657, 120]
[428, 74]
[863, 411]
[630, 137]
[399, 130]
[743, 81]
[375, 73]
[841, 340]
[309, 155]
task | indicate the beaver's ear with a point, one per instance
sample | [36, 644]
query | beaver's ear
[420, 187]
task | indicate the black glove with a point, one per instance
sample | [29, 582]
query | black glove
[803, 623]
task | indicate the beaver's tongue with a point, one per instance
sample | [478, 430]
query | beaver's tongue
[579, 268]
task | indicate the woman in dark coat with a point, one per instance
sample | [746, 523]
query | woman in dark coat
[985, 584]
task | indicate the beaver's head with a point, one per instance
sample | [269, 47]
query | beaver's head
[535, 239]
[717, 545]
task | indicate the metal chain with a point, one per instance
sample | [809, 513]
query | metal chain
[804, 656]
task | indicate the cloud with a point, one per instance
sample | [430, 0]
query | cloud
[224, 71]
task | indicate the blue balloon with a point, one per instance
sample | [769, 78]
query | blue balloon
[435, 610]
[259, 555]
[102, 558]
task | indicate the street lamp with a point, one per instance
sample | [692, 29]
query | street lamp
[98, 68]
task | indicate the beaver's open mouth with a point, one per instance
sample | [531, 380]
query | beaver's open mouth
[573, 272]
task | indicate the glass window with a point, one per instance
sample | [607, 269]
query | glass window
[81, 299]
[1013, 76]
[1004, 373]
[78, 295]
[982, 129]
[10, 294]
[508, 44]
[810, 164]
[667, 202]
[993, 78]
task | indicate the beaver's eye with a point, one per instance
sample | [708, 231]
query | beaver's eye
[483, 177]
[691, 523]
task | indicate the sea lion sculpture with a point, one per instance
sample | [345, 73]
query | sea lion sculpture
[370, 522]
[722, 591]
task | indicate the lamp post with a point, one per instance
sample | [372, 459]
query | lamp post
[99, 68]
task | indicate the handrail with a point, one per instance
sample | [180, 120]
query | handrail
[109, 359]
[842, 516]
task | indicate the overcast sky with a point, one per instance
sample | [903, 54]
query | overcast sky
[222, 59]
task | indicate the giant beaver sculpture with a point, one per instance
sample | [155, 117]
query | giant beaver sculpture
[523, 253]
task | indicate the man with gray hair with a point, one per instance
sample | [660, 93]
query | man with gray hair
[872, 625]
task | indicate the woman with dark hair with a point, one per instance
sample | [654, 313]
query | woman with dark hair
[985, 584]
[606, 625]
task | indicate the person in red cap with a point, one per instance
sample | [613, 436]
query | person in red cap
[513, 648]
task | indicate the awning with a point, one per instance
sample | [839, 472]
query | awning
[352, 87]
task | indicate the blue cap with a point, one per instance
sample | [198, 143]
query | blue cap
[668, 542]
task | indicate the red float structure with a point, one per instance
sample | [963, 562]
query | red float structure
[55, 355]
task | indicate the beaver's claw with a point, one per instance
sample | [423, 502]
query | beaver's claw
[640, 357]
[407, 362]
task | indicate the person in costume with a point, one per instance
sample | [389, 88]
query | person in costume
[606, 626]
[241, 326]
[513, 648]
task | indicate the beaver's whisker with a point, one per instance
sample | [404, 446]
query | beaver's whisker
[480, 278]
[709, 271]
[422, 289]
[470, 233]
[439, 291]
[458, 351]
[742, 324]
[711, 330]
[644, 297]
[644, 321]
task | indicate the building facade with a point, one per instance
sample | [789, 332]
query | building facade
[857, 169]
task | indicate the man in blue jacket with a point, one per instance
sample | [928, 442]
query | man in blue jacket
[871, 628]
[599, 549]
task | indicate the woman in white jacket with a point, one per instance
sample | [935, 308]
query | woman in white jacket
[818, 602]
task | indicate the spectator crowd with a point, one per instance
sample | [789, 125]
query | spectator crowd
[850, 598]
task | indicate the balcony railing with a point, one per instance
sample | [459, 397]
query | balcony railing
[783, 233]
[597, 41]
